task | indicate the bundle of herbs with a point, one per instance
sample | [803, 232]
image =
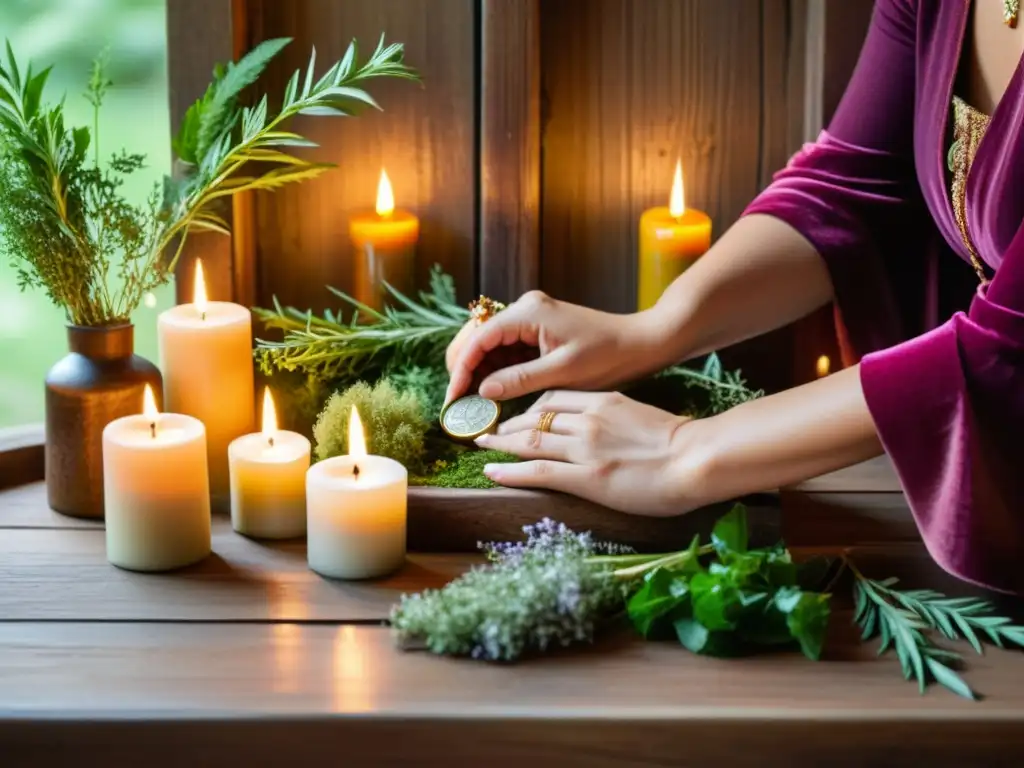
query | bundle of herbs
[322, 365]
[717, 598]
[65, 223]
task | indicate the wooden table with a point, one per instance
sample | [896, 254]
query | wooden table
[250, 659]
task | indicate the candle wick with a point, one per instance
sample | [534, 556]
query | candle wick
[152, 429]
[202, 316]
[271, 441]
[355, 471]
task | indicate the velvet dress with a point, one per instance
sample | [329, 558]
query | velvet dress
[907, 179]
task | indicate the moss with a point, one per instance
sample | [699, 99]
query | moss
[426, 384]
[394, 422]
[465, 471]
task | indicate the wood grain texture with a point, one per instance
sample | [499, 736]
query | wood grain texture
[846, 518]
[21, 454]
[448, 520]
[630, 87]
[63, 575]
[510, 158]
[425, 138]
[261, 695]
[875, 475]
[200, 34]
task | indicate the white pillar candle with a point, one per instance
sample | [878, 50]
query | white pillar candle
[268, 480]
[206, 359]
[156, 490]
[356, 512]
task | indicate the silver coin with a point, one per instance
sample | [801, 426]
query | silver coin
[470, 415]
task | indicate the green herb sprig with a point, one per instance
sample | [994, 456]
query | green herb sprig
[741, 600]
[64, 221]
[364, 346]
[902, 618]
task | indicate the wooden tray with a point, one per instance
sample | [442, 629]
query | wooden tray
[456, 520]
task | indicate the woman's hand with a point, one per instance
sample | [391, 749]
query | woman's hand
[603, 447]
[539, 343]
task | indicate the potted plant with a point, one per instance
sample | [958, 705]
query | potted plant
[69, 230]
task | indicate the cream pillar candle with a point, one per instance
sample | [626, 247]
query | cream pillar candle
[356, 512]
[156, 491]
[268, 480]
[206, 359]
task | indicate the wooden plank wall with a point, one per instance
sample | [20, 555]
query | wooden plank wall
[629, 86]
[425, 138]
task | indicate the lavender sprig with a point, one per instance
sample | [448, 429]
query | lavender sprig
[551, 590]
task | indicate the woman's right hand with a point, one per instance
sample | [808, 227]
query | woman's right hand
[553, 345]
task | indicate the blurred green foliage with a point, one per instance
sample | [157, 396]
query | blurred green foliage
[69, 34]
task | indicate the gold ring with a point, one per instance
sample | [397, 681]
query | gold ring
[544, 423]
[484, 308]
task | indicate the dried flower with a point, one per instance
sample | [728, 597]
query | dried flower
[546, 592]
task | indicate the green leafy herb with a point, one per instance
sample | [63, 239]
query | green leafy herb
[901, 619]
[740, 600]
[64, 221]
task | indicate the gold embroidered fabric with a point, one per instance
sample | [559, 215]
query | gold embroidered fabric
[968, 129]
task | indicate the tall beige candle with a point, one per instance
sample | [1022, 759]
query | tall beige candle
[155, 490]
[206, 359]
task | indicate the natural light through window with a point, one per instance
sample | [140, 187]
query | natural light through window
[69, 34]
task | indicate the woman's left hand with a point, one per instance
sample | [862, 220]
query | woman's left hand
[603, 447]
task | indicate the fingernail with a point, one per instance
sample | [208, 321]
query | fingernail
[483, 440]
[492, 390]
[491, 470]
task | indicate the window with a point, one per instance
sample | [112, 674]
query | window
[69, 34]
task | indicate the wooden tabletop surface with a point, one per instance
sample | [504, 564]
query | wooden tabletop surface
[251, 659]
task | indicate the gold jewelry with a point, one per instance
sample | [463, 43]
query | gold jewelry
[546, 418]
[1010, 10]
[969, 127]
[483, 309]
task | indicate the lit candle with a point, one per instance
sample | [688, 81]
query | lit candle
[356, 512]
[268, 480]
[385, 248]
[671, 240]
[156, 490]
[206, 358]
[823, 366]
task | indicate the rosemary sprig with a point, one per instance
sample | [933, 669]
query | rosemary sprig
[901, 619]
[878, 613]
[333, 349]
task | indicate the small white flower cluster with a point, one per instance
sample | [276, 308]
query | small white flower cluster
[532, 596]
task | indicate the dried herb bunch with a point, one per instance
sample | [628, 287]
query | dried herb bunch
[64, 221]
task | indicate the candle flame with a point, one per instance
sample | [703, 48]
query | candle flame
[199, 291]
[356, 437]
[269, 416]
[149, 409]
[385, 195]
[823, 366]
[676, 203]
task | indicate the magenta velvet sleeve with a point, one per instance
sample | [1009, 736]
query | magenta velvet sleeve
[949, 404]
[854, 193]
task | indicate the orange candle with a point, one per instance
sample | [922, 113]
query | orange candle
[385, 248]
[671, 239]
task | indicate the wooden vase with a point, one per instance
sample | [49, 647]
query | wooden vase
[100, 379]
